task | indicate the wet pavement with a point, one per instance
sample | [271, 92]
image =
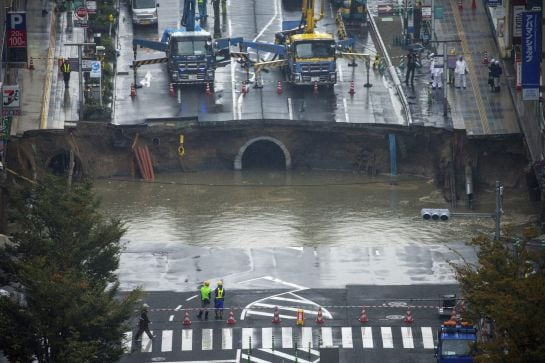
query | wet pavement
[384, 338]
[377, 104]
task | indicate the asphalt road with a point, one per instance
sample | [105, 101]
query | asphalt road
[384, 338]
[255, 21]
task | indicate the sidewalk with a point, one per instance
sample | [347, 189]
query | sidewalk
[33, 82]
[483, 112]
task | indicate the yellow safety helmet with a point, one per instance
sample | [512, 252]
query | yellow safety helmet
[220, 282]
[206, 283]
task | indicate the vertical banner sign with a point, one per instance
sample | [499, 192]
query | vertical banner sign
[517, 22]
[11, 100]
[16, 37]
[531, 54]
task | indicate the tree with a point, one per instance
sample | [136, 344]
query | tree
[62, 261]
[506, 286]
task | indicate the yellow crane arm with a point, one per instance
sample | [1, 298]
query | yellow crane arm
[308, 15]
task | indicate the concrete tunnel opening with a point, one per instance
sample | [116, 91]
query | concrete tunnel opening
[58, 165]
[263, 153]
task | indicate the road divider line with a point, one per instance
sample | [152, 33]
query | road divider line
[346, 117]
[290, 109]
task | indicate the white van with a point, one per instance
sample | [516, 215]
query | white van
[144, 12]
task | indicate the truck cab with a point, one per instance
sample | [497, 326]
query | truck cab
[144, 12]
[311, 59]
[193, 58]
[455, 343]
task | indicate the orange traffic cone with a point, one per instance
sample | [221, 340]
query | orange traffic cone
[276, 316]
[133, 90]
[279, 88]
[171, 90]
[31, 64]
[315, 91]
[187, 321]
[352, 91]
[408, 317]
[485, 57]
[231, 319]
[460, 6]
[208, 90]
[320, 316]
[244, 90]
[462, 307]
[363, 316]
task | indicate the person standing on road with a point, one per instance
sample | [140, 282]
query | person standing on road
[65, 69]
[202, 9]
[143, 324]
[411, 65]
[461, 70]
[219, 297]
[206, 294]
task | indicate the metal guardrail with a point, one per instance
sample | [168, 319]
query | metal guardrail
[49, 72]
[392, 71]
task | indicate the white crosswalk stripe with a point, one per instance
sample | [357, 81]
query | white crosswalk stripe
[166, 341]
[306, 338]
[387, 339]
[407, 335]
[227, 338]
[347, 337]
[327, 337]
[187, 339]
[367, 337]
[207, 339]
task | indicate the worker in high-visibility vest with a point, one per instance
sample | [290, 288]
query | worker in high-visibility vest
[219, 297]
[65, 69]
[205, 294]
[202, 9]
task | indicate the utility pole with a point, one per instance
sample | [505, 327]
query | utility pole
[80, 74]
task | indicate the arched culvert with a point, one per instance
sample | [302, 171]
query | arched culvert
[263, 152]
[59, 163]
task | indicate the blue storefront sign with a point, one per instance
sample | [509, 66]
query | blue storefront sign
[531, 54]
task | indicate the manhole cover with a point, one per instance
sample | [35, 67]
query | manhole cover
[395, 317]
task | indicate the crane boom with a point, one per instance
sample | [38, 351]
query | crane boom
[308, 15]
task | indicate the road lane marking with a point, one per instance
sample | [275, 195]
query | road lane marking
[227, 339]
[427, 338]
[266, 338]
[290, 108]
[387, 340]
[166, 341]
[340, 73]
[306, 338]
[290, 358]
[345, 110]
[127, 341]
[288, 308]
[287, 338]
[179, 307]
[367, 337]
[407, 335]
[207, 339]
[247, 333]
[327, 337]
[269, 23]
[171, 318]
[191, 298]
[250, 358]
[146, 343]
[261, 313]
[187, 339]
[233, 79]
[346, 334]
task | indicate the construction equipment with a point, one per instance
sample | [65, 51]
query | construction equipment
[192, 56]
[454, 342]
[306, 57]
[447, 305]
